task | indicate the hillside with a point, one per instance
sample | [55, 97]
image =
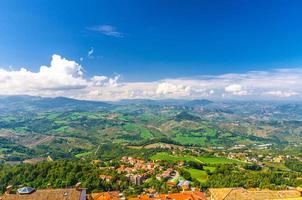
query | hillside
[63, 127]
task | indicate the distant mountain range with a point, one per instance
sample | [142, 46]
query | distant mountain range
[43, 104]
[35, 104]
[164, 102]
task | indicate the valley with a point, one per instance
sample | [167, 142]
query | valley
[211, 144]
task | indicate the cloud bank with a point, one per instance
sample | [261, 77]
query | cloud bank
[66, 78]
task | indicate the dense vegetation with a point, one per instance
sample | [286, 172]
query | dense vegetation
[66, 173]
[50, 174]
[226, 176]
[294, 165]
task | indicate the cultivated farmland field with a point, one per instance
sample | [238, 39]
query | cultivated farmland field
[206, 160]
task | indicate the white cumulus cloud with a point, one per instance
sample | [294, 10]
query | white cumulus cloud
[235, 89]
[65, 77]
[282, 94]
[61, 75]
[167, 88]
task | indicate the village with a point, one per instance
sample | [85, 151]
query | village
[138, 171]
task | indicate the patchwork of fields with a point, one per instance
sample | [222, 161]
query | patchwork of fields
[200, 175]
[64, 128]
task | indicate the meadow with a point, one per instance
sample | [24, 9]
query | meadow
[202, 159]
[199, 175]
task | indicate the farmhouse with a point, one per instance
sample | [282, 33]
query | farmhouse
[184, 184]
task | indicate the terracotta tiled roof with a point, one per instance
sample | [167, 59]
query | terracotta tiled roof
[49, 194]
[175, 196]
[240, 193]
[105, 196]
[219, 193]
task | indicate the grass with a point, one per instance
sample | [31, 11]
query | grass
[184, 140]
[3, 149]
[84, 154]
[206, 160]
[187, 135]
[217, 160]
[168, 157]
[277, 166]
[144, 132]
[211, 169]
[199, 175]
[62, 129]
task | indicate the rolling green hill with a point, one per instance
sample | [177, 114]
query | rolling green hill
[63, 127]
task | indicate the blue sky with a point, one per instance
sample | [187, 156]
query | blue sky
[154, 40]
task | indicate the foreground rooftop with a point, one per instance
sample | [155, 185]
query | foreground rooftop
[188, 195]
[244, 194]
[49, 194]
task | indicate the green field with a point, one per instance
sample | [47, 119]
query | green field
[211, 169]
[199, 175]
[168, 157]
[206, 160]
[187, 140]
[142, 131]
[80, 155]
[217, 160]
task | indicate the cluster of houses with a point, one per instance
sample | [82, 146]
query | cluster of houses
[249, 156]
[173, 179]
[242, 153]
[258, 159]
[139, 170]
[136, 169]
[78, 193]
